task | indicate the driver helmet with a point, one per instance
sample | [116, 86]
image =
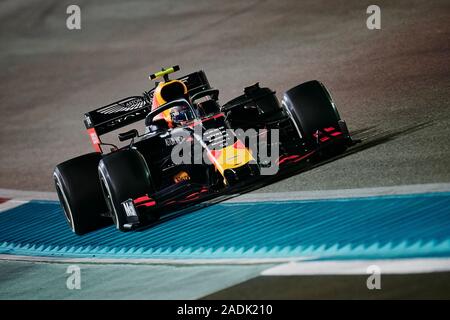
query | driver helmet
[181, 115]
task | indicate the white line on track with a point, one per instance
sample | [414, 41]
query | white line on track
[351, 267]
[180, 262]
[27, 195]
[343, 193]
[11, 204]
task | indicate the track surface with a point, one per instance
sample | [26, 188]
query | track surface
[396, 226]
[240, 249]
[385, 80]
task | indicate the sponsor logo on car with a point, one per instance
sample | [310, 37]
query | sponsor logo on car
[130, 210]
[181, 176]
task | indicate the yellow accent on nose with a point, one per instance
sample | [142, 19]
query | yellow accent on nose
[231, 157]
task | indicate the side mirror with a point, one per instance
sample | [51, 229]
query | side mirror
[128, 135]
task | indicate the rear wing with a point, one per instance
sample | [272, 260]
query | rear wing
[132, 109]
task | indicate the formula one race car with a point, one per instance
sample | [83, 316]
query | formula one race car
[192, 149]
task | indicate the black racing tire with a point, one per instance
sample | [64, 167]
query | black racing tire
[80, 194]
[311, 108]
[124, 175]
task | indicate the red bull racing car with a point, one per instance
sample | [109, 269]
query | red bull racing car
[191, 149]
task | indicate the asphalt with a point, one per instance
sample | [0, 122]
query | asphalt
[383, 81]
[434, 286]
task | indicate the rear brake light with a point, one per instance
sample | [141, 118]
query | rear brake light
[94, 139]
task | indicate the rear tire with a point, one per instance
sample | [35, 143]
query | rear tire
[80, 194]
[311, 108]
[124, 175]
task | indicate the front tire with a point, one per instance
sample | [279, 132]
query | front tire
[311, 108]
[79, 192]
[124, 175]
